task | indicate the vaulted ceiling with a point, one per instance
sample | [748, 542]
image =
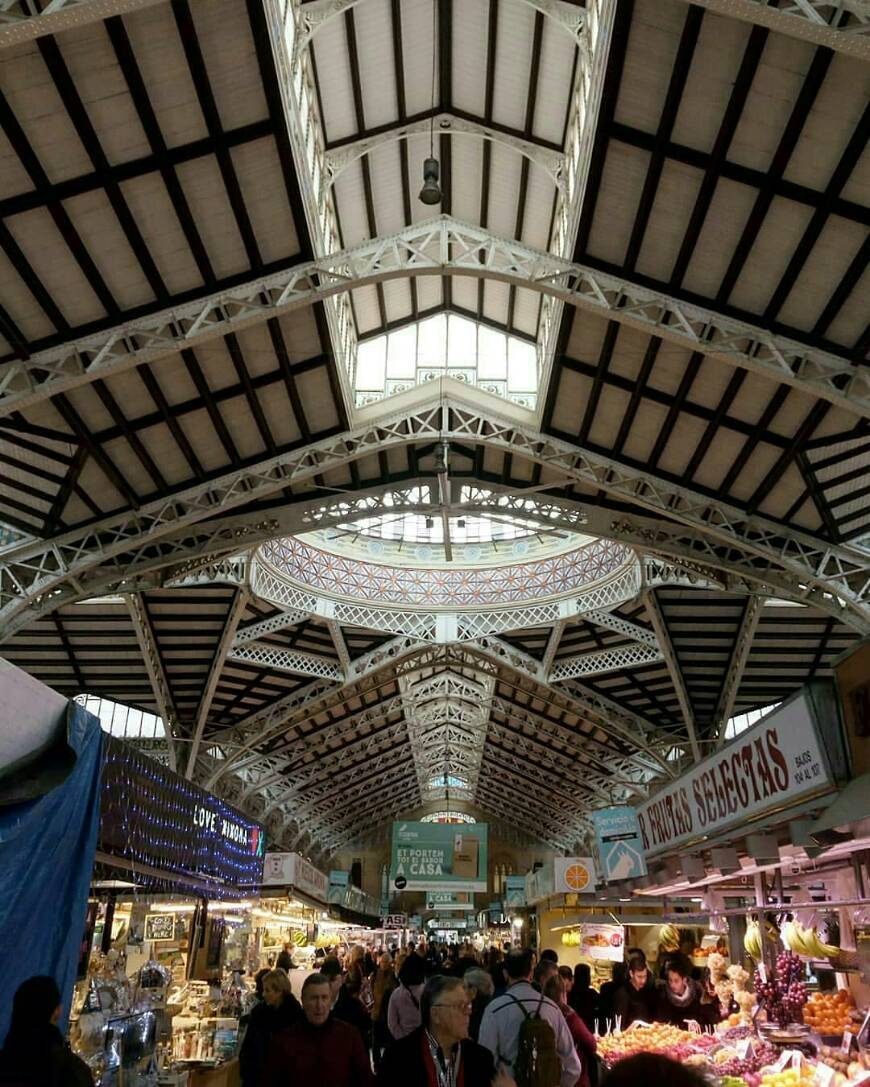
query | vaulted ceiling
[206, 205]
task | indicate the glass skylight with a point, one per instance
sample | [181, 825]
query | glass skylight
[446, 345]
[120, 720]
[448, 817]
[500, 525]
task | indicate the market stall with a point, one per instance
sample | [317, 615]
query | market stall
[170, 944]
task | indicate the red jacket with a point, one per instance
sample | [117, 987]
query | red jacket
[307, 1056]
[584, 1041]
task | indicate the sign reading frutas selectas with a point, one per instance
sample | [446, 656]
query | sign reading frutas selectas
[292, 870]
[775, 764]
[619, 844]
[446, 856]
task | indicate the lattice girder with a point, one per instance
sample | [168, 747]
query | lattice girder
[442, 246]
[836, 578]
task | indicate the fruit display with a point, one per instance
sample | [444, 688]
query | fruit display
[806, 941]
[657, 1038]
[790, 1077]
[830, 1013]
[835, 1057]
[784, 995]
[727, 1062]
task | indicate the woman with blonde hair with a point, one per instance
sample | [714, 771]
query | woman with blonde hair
[279, 1009]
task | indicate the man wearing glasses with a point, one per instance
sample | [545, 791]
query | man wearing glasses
[439, 1053]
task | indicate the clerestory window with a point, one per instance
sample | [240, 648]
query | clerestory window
[446, 345]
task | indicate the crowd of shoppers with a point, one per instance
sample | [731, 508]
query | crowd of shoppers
[428, 1017]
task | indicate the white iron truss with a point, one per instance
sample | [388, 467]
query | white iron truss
[676, 673]
[737, 665]
[580, 132]
[443, 246]
[287, 660]
[605, 660]
[156, 674]
[549, 160]
[22, 20]
[307, 141]
[316, 14]
[214, 674]
[836, 578]
[822, 22]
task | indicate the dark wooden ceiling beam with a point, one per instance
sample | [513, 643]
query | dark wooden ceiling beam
[848, 161]
[39, 179]
[359, 112]
[730, 120]
[111, 471]
[193, 368]
[402, 111]
[208, 106]
[743, 175]
[673, 100]
[151, 127]
[75, 108]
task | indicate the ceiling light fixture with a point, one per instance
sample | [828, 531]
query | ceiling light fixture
[431, 191]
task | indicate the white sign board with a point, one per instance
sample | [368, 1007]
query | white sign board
[602, 942]
[395, 921]
[573, 875]
[774, 764]
[292, 870]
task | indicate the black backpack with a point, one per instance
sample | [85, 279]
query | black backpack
[537, 1063]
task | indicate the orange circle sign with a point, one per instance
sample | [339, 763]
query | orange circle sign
[577, 876]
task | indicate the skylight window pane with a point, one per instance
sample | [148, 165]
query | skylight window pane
[432, 341]
[491, 354]
[371, 364]
[461, 341]
[401, 352]
[522, 366]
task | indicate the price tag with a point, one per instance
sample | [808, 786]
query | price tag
[784, 1059]
[848, 1037]
[762, 970]
[743, 1047]
[824, 1075]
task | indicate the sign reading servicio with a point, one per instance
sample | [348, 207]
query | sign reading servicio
[775, 763]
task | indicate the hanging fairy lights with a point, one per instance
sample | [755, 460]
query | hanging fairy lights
[154, 818]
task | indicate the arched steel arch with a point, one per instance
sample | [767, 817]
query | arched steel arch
[40, 576]
[443, 246]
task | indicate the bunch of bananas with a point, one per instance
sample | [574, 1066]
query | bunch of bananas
[669, 938]
[752, 938]
[805, 941]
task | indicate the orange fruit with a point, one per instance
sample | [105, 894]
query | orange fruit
[577, 876]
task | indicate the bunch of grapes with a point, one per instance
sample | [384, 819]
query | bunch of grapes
[785, 994]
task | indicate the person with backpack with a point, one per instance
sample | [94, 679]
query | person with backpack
[527, 1033]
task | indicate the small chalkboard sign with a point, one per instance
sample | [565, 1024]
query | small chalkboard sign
[160, 926]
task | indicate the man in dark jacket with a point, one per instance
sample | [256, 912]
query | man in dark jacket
[440, 1050]
[637, 997]
[319, 1050]
[35, 1054]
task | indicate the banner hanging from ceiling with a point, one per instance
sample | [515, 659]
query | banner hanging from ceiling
[439, 856]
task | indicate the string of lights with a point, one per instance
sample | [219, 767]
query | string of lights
[155, 818]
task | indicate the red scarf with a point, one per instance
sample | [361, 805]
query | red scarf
[431, 1074]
